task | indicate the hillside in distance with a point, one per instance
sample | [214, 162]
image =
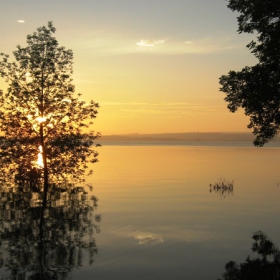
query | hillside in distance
[184, 137]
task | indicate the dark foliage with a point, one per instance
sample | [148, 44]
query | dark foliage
[257, 88]
[40, 108]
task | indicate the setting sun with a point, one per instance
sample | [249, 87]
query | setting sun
[41, 119]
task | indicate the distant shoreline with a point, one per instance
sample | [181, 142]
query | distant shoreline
[185, 138]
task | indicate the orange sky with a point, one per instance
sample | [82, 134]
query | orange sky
[152, 65]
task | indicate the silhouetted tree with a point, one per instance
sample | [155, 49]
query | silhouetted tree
[265, 267]
[39, 110]
[257, 88]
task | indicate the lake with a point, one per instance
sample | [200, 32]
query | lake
[160, 219]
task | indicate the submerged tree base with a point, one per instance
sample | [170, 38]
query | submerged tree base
[222, 187]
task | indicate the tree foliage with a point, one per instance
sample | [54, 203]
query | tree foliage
[40, 109]
[265, 267]
[257, 88]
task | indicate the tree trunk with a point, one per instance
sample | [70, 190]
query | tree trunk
[46, 171]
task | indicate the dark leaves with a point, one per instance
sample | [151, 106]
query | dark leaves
[40, 88]
[257, 88]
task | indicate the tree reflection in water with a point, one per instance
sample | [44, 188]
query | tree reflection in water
[266, 266]
[46, 243]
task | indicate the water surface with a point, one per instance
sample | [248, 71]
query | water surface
[158, 216]
[159, 220]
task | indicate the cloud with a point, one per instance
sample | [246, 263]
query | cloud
[207, 45]
[21, 21]
[102, 43]
[149, 43]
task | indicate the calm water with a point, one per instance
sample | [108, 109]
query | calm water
[159, 220]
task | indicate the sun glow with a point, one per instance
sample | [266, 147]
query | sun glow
[41, 119]
[40, 162]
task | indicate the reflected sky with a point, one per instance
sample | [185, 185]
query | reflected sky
[161, 222]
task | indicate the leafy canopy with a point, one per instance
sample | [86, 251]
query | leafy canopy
[40, 108]
[257, 88]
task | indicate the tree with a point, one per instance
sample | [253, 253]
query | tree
[40, 111]
[257, 88]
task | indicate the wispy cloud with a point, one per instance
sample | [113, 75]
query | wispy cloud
[149, 43]
[200, 46]
[21, 21]
[101, 43]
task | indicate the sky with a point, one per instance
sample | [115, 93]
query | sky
[152, 65]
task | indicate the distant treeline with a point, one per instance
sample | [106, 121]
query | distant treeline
[185, 137]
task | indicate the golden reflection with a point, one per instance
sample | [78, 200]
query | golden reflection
[147, 238]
